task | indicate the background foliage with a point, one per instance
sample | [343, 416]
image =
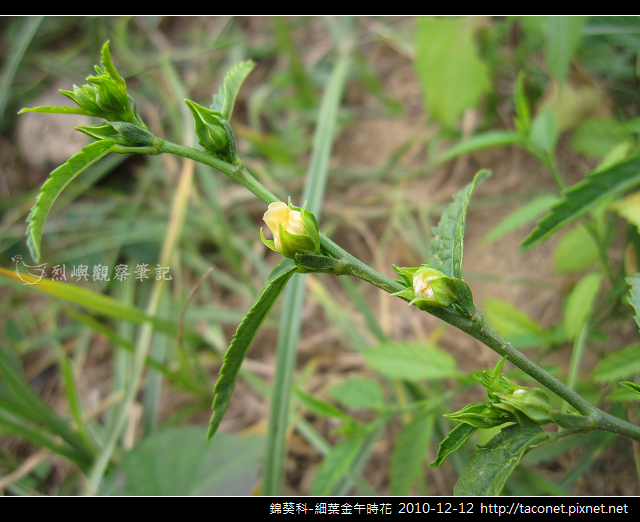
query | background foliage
[425, 104]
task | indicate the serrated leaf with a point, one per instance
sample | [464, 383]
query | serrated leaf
[583, 196]
[521, 217]
[634, 296]
[576, 251]
[512, 324]
[452, 442]
[450, 72]
[358, 392]
[409, 453]
[335, 464]
[48, 109]
[563, 38]
[412, 362]
[618, 365]
[446, 247]
[579, 303]
[225, 100]
[56, 183]
[479, 142]
[243, 338]
[489, 467]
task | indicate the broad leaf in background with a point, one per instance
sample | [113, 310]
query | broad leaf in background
[409, 453]
[411, 362]
[446, 247]
[583, 196]
[358, 392]
[225, 100]
[56, 183]
[243, 338]
[563, 38]
[452, 442]
[229, 465]
[618, 365]
[576, 251]
[489, 467]
[629, 208]
[520, 217]
[579, 303]
[634, 297]
[595, 137]
[450, 72]
[512, 324]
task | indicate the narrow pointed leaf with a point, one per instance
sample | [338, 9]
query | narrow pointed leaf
[583, 196]
[226, 97]
[243, 338]
[56, 183]
[48, 109]
[445, 250]
[452, 442]
[630, 385]
[335, 464]
[521, 217]
[479, 142]
[409, 453]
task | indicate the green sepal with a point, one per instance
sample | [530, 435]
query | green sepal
[572, 421]
[465, 297]
[531, 403]
[269, 243]
[316, 263]
[407, 293]
[109, 97]
[84, 97]
[293, 244]
[211, 133]
[136, 134]
[104, 131]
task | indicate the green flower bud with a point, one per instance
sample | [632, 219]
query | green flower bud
[530, 406]
[427, 287]
[211, 132]
[294, 229]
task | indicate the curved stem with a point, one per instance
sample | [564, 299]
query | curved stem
[476, 326]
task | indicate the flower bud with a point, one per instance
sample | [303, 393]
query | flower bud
[427, 287]
[294, 229]
[210, 131]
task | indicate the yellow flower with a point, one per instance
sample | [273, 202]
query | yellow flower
[280, 213]
[294, 229]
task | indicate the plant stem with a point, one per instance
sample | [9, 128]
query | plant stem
[477, 326]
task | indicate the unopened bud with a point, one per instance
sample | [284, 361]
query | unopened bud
[294, 229]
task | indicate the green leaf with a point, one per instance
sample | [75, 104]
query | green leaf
[446, 247]
[489, 467]
[576, 251]
[522, 121]
[177, 461]
[583, 196]
[629, 208]
[335, 464]
[243, 338]
[412, 362]
[358, 392]
[595, 137]
[480, 415]
[521, 217]
[531, 402]
[632, 386]
[320, 407]
[48, 109]
[56, 183]
[409, 453]
[479, 142]
[563, 38]
[512, 324]
[450, 72]
[634, 297]
[452, 442]
[618, 365]
[226, 97]
[579, 303]
[544, 131]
